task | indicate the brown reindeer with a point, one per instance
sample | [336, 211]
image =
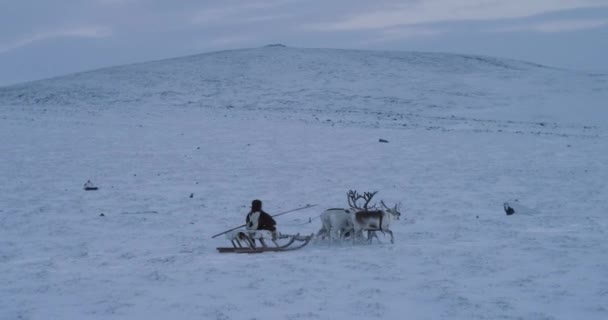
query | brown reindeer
[371, 219]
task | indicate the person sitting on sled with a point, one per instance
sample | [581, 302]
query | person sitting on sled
[258, 219]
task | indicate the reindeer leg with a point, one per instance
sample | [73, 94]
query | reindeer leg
[375, 235]
[391, 233]
[336, 235]
[322, 234]
[359, 235]
[371, 235]
[343, 236]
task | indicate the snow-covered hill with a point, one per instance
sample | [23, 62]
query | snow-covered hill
[353, 87]
[180, 147]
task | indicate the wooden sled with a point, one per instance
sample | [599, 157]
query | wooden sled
[262, 241]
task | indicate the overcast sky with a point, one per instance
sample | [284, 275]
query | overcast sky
[45, 38]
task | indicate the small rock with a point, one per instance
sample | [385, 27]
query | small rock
[508, 210]
[191, 195]
[383, 141]
[102, 215]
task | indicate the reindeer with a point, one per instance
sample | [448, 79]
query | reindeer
[373, 220]
[336, 223]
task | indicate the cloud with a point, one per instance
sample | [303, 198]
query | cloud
[401, 33]
[229, 41]
[433, 11]
[270, 17]
[556, 26]
[80, 32]
[395, 35]
[248, 12]
[114, 2]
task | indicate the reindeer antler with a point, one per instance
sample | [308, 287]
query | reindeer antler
[395, 209]
[352, 196]
[384, 205]
[367, 196]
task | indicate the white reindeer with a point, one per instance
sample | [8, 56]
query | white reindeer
[336, 223]
[373, 220]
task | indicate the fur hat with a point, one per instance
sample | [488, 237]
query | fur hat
[256, 205]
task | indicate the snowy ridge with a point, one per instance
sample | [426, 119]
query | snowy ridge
[179, 148]
[431, 90]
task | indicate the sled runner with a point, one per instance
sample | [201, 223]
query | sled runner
[262, 241]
